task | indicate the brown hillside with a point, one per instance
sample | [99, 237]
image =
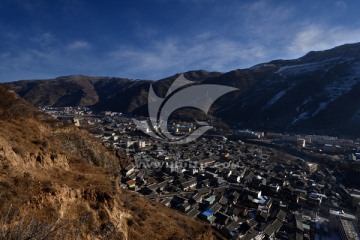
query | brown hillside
[57, 182]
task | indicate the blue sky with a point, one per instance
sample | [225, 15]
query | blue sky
[152, 39]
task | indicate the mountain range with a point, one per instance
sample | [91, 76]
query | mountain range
[317, 93]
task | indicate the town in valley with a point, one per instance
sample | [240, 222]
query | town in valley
[246, 184]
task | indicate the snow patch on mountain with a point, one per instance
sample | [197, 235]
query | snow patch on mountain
[275, 99]
[340, 87]
[301, 107]
[306, 101]
[322, 106]
[302, 116]
[300, 69]
[356, 117]
[343, 85]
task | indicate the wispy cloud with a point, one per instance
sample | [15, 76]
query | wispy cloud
[216, 48]
[29, 6]
[165, 56]
[144, 31]
[43, 39]
[341, 5]
[78, 45]
[45, 56]
[317, 37]
[266, 20]
[211, 35]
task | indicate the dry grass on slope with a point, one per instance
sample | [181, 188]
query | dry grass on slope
[151, 220]
[57, 182]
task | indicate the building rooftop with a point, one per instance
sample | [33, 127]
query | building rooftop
[208, 213]
[342, 214]
[350, 229]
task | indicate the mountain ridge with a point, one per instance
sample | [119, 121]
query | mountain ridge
[315, 93]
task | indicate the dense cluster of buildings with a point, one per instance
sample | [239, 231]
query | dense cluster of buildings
[244, 191]
[326, 144]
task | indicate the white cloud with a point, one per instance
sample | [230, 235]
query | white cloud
[78, 45]
[316, 37]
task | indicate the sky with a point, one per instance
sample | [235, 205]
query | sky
[153, 39]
